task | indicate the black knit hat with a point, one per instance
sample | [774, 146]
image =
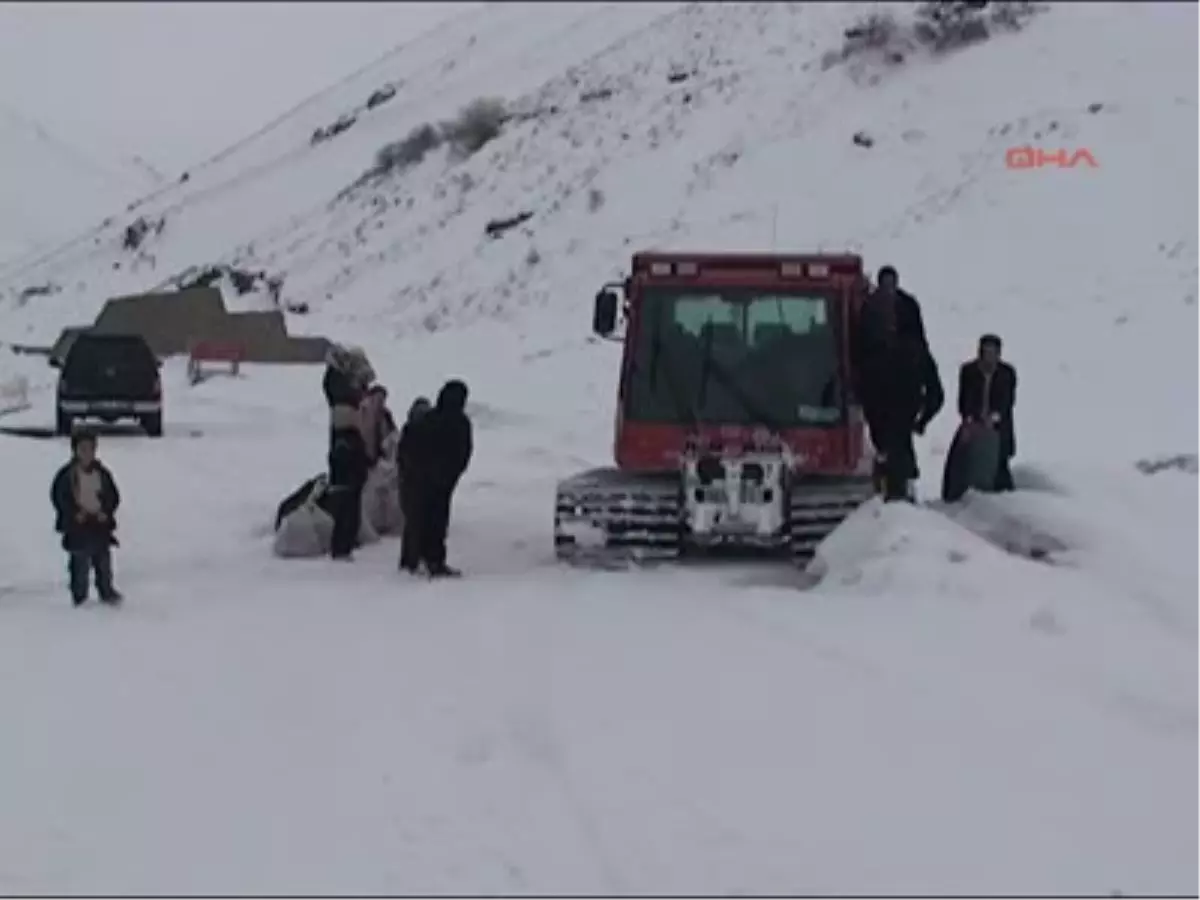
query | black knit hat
[453, 395]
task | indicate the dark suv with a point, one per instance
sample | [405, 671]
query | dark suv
[110, 377]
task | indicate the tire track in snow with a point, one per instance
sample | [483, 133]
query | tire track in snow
[528, 727]
[531, 731]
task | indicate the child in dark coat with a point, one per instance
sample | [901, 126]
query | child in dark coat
[85, 499]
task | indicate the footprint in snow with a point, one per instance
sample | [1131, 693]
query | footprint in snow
[1046, 622]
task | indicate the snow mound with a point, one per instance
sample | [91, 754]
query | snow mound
[897, 548]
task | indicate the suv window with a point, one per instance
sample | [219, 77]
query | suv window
[120, 358]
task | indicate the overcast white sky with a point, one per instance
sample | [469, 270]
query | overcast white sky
[176, 81]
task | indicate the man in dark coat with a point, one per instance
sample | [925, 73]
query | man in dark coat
[987, 394]
[85, 500]
[438, 453]
[896, 381]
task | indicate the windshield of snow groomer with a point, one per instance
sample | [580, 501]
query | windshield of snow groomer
[735, 356]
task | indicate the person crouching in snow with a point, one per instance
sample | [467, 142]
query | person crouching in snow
[85, 499]
[410, 542]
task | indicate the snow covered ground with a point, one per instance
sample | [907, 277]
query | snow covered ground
[925, 713]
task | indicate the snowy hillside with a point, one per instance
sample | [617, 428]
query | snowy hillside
[51, 190]
[923, 712]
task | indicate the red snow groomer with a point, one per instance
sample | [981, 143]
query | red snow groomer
[735, 426]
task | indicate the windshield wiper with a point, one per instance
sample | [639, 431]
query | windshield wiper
[688, 411]
[711, 366]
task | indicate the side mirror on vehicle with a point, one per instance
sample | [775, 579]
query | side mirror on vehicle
[604, 315]
[55, 362]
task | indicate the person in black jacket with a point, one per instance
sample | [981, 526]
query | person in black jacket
[987, 394]
[439, 450]
[410, 541]
[85, 499]
[896, 381]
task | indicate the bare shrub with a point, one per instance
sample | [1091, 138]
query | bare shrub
[1014, 15]
[477, 124]
[937, 26]
[407, 151]
[141, 228]
[877, 36]
[873, 32]
[595, 199]
[945, 25]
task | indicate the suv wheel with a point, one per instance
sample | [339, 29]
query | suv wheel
[153, 425]
[63, 423]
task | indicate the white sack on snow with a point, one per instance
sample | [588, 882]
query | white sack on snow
[305, 532]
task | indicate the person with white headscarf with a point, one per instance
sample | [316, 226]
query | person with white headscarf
[347, 377]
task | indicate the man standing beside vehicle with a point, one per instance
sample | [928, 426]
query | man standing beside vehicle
[986, 440]
[896, 381]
